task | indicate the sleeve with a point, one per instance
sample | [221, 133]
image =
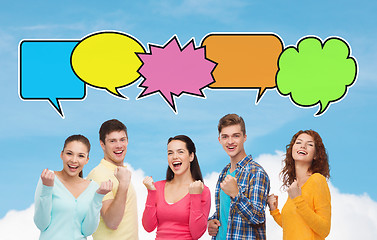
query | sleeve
[93, 175]
[150, 212]
[200, 205]
[91, 220]
[253, 209]
[319, 218]
[43, 206]
[277, 216]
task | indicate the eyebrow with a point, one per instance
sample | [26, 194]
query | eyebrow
[303, 140]
[177, 149]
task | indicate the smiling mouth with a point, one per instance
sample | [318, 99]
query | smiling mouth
[302, 153]
[118, 152]
[177, 165]
[73, 167]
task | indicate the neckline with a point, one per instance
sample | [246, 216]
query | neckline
[70, 193]
[170, 204]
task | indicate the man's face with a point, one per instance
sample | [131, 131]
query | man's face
[115, 147]
[232, 139]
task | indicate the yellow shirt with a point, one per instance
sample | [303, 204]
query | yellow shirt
[128, 229]
[307, 217]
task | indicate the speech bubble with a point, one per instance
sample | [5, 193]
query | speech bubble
[107, 60]
[245, 61]
[315, 72]
[46, 74]
[170, 70]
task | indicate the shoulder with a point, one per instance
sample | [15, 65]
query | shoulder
[256, 169]
[160, 184]
[206, 190]
[99, 173]
[318, 179]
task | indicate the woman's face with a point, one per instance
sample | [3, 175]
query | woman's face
[304, 148]
[179, 157]
[75, 155]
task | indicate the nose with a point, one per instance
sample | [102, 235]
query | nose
[74, 159]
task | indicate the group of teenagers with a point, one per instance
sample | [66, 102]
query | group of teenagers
[68, 206]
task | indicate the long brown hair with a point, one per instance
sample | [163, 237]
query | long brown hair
[79, 138]
[319, 165]
[196, 174]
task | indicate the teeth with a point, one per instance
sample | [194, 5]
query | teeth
[73, 166]
[119, 152]
[177, 163]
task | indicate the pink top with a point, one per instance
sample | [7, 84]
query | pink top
[185, 219]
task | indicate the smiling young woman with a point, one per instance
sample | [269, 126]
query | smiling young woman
[178, 206]
[66, 205]
[307, 212]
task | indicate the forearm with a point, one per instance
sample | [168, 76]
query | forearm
[43, 206]
[252, 211]
[319, 221]
[113, 214]
[277, 217]
[199, 211]
[149, 219]
[91, 219]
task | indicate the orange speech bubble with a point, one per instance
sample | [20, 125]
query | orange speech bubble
[244, 60]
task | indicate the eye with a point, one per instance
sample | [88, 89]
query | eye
[69, 153]
[81, 156]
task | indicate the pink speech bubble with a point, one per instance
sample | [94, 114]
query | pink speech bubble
[171, 70]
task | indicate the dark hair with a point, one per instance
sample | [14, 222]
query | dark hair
[79, 138]
[319, 165]
[230, 120]
[110, 126]
[196, 174]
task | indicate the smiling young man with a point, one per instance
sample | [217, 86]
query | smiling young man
[241, 190]
[119, 210]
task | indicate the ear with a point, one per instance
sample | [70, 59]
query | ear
[245, 138]
[61, 155]
[87, 160]
[102, 144]
[192, 157]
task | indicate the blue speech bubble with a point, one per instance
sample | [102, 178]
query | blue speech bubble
[46, 72]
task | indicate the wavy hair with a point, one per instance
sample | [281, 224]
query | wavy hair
[319, 165]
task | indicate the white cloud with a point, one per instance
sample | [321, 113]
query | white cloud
[353, 216]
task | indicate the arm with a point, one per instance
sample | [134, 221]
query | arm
[272, 202]
[91, 220]
[319, 219]
[113, 209]
[253, 209]
[200, 205]
[277, 217]
[43, 206]
[43, 200]
[150, 212]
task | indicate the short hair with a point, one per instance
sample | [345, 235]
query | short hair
[110, 126]
[196, 174]
[230, 120]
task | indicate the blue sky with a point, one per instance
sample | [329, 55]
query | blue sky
[32, 133]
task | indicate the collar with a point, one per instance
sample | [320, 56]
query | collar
[108, 164]
[244, 161]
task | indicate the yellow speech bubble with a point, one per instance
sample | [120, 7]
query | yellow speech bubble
[107, 60]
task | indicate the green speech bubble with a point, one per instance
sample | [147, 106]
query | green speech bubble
[315, 72]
